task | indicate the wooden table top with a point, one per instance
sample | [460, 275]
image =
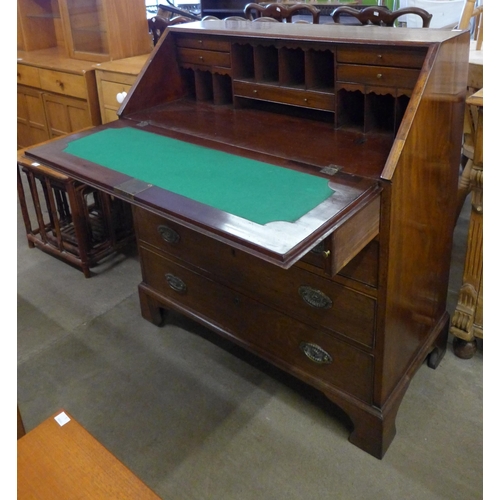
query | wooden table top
[127, 66]
[65, 461]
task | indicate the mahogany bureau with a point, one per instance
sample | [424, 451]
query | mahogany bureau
[228, 133]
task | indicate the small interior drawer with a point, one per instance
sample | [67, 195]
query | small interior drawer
[63, 83]
[28, 75]
[382, 56]
[204, 57]
[377, 75]
[297, 97]
[203, 43]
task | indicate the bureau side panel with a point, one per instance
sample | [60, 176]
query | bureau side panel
[418, 229]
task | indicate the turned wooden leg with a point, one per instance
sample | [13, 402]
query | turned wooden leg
[151, 309]
[464, 349]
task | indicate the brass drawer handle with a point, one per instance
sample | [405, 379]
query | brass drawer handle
[168, 234]
[319, 249]
[176, 283]
[315, 298]
[315, 353]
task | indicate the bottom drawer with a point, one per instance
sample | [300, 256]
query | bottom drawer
[305, 351]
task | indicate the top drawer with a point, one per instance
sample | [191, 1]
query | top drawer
[28, 75]
[63, 83]
[204, 57]
[382, 56]
[203, 43]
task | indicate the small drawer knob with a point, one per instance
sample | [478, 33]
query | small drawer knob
[379, 75]
[120, 97]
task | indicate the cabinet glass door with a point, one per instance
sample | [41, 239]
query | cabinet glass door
[87, 26]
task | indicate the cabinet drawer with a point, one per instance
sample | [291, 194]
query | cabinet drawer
[109, 115]
[28, 75]
[305, 295]
[301, 348]
[297, 97]
[377, 75]
[63, 83]
[204, 57]
[203, 43]
[109, 92]
[382, 57]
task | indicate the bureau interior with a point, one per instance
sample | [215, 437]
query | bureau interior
[219, 85]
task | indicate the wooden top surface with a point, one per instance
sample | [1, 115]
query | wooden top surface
[321, 32]
[55, 461]
[53, 58]
[127, 66]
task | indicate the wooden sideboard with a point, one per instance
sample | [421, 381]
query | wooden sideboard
[349, 294]
[58, 41]
[56, 95]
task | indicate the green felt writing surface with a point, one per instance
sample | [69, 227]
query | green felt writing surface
[254, 190]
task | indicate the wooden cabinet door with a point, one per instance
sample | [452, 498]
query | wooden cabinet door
[31, 121]
[65, 114]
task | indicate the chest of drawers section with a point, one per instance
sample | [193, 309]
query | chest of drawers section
[319, 330]
[53, 102]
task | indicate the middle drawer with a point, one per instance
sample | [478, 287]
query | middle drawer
[315, 300]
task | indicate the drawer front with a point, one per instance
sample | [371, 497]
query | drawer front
[109, 92]
[382, 57]
[307, 296]
[204, 43]
[28, 75]
[109, 115]
[377, 75]
[204, 57]
[63, 83]
[301, 348]
[297, 97]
